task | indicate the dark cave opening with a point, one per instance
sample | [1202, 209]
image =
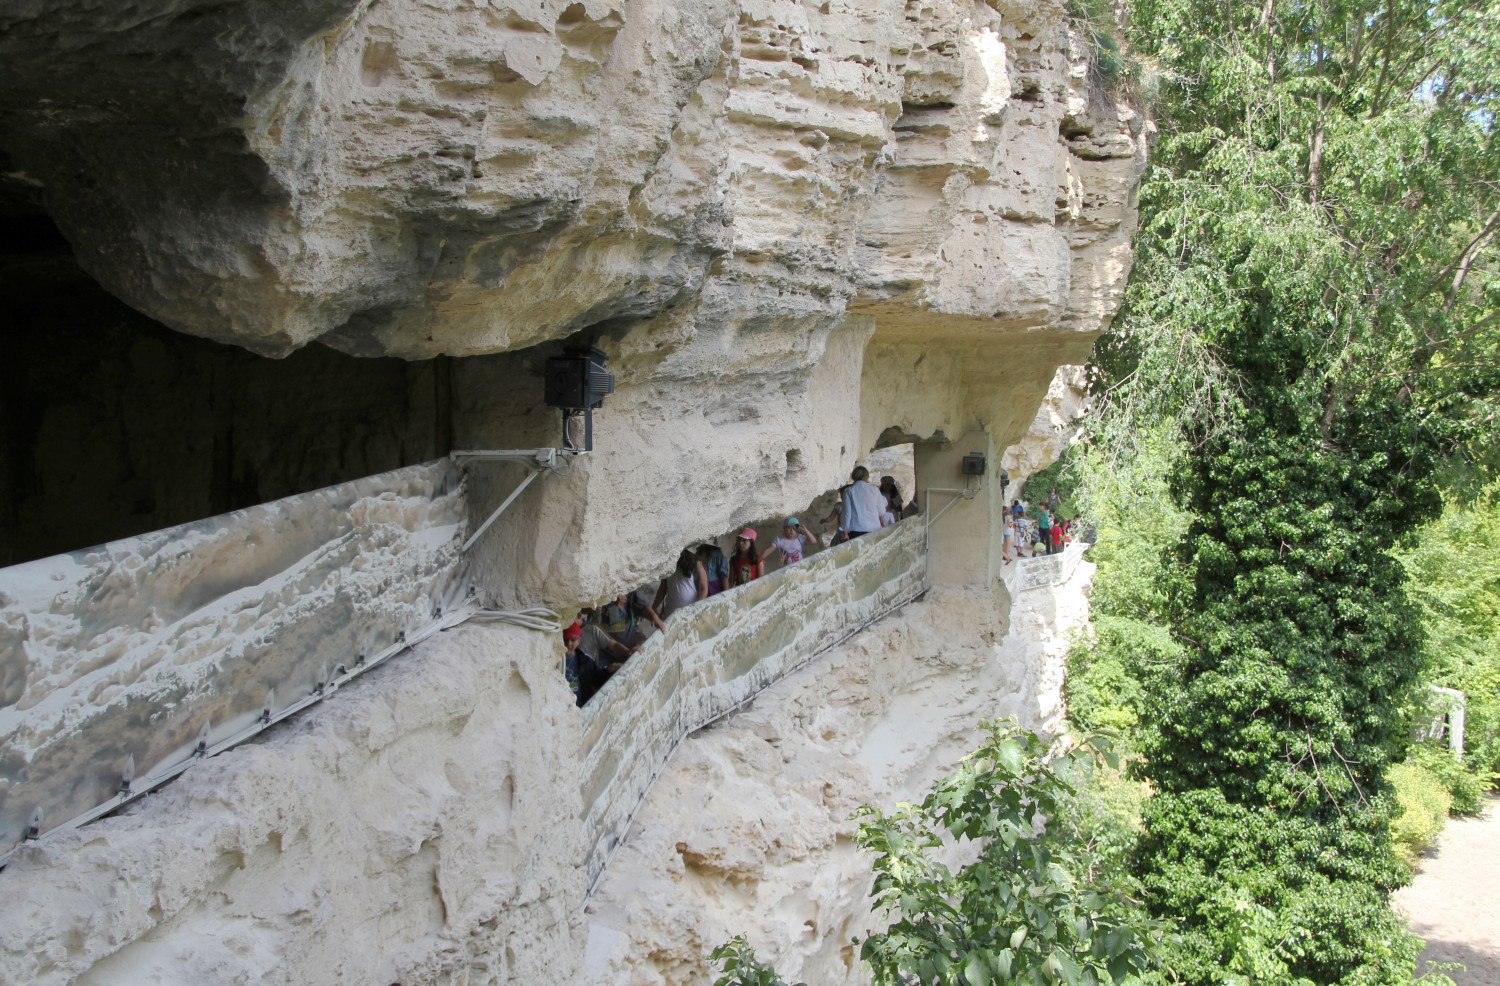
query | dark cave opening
[112, 425]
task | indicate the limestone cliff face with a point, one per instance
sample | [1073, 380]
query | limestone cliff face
[414, 832]
[463, 177]
[750, 831]
[1055, 427]
[801, 230]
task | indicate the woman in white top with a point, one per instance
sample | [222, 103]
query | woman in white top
[683, 587]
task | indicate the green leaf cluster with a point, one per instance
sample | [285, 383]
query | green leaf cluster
[1030, 904]
[1423, 803]
[740, 967]
[1313, 313]
[1137, 521]
[1464, 787]
[1453, 565]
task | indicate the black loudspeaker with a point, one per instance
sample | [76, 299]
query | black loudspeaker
[577, 381]
[973, 464]
[564, 382]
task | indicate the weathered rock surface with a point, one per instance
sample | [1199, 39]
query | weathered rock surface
[750, 829]
[412, 831]
[457, 177]
[145, 647]
[1056, 426]
[799, 230]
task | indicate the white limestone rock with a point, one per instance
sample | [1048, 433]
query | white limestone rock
[456, 177]
[749, 831]
[1056, 425]
[414, 827]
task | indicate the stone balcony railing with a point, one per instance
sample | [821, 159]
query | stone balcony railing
[1043, 570]
[717, 654]
[122, 665]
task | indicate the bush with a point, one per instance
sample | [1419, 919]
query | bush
[1465, 787]
[1105, 671]
[1423, 801]
[1104, 817]
[1035, 905]
[1047, 898]
[1454, 565]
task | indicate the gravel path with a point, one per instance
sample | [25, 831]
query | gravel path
[1454, 902]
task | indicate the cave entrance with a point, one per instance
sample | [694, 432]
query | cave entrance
[112, 425]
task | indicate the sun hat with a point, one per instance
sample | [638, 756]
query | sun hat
[573, 632]
[748, 534]
[792, 522]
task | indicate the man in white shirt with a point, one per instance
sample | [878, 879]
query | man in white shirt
[862, 505]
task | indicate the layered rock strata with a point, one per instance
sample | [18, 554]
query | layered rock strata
[413, 831]
[799, 230]
[464, 177]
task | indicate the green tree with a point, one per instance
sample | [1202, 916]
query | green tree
[1036, 902]
[1129, 504]
[1453, 564]
[1314, 306]
[1044, 896]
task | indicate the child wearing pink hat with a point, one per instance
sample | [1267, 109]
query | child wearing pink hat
[744, 564]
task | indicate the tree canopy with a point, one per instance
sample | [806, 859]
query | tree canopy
[1314, 308]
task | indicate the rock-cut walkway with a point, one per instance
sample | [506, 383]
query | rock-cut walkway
[1454, 902]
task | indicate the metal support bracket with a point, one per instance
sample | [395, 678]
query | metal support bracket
[544, 458]
[967, 493]
[536, 460]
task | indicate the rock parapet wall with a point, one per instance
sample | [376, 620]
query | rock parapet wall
[414, 830]
[720, 653]
[115, 662]
[750, 829]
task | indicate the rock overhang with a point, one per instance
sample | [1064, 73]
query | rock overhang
[465, 179]
[794, 229]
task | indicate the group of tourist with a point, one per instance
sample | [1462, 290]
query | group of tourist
[1042, 531]
[603, 638]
